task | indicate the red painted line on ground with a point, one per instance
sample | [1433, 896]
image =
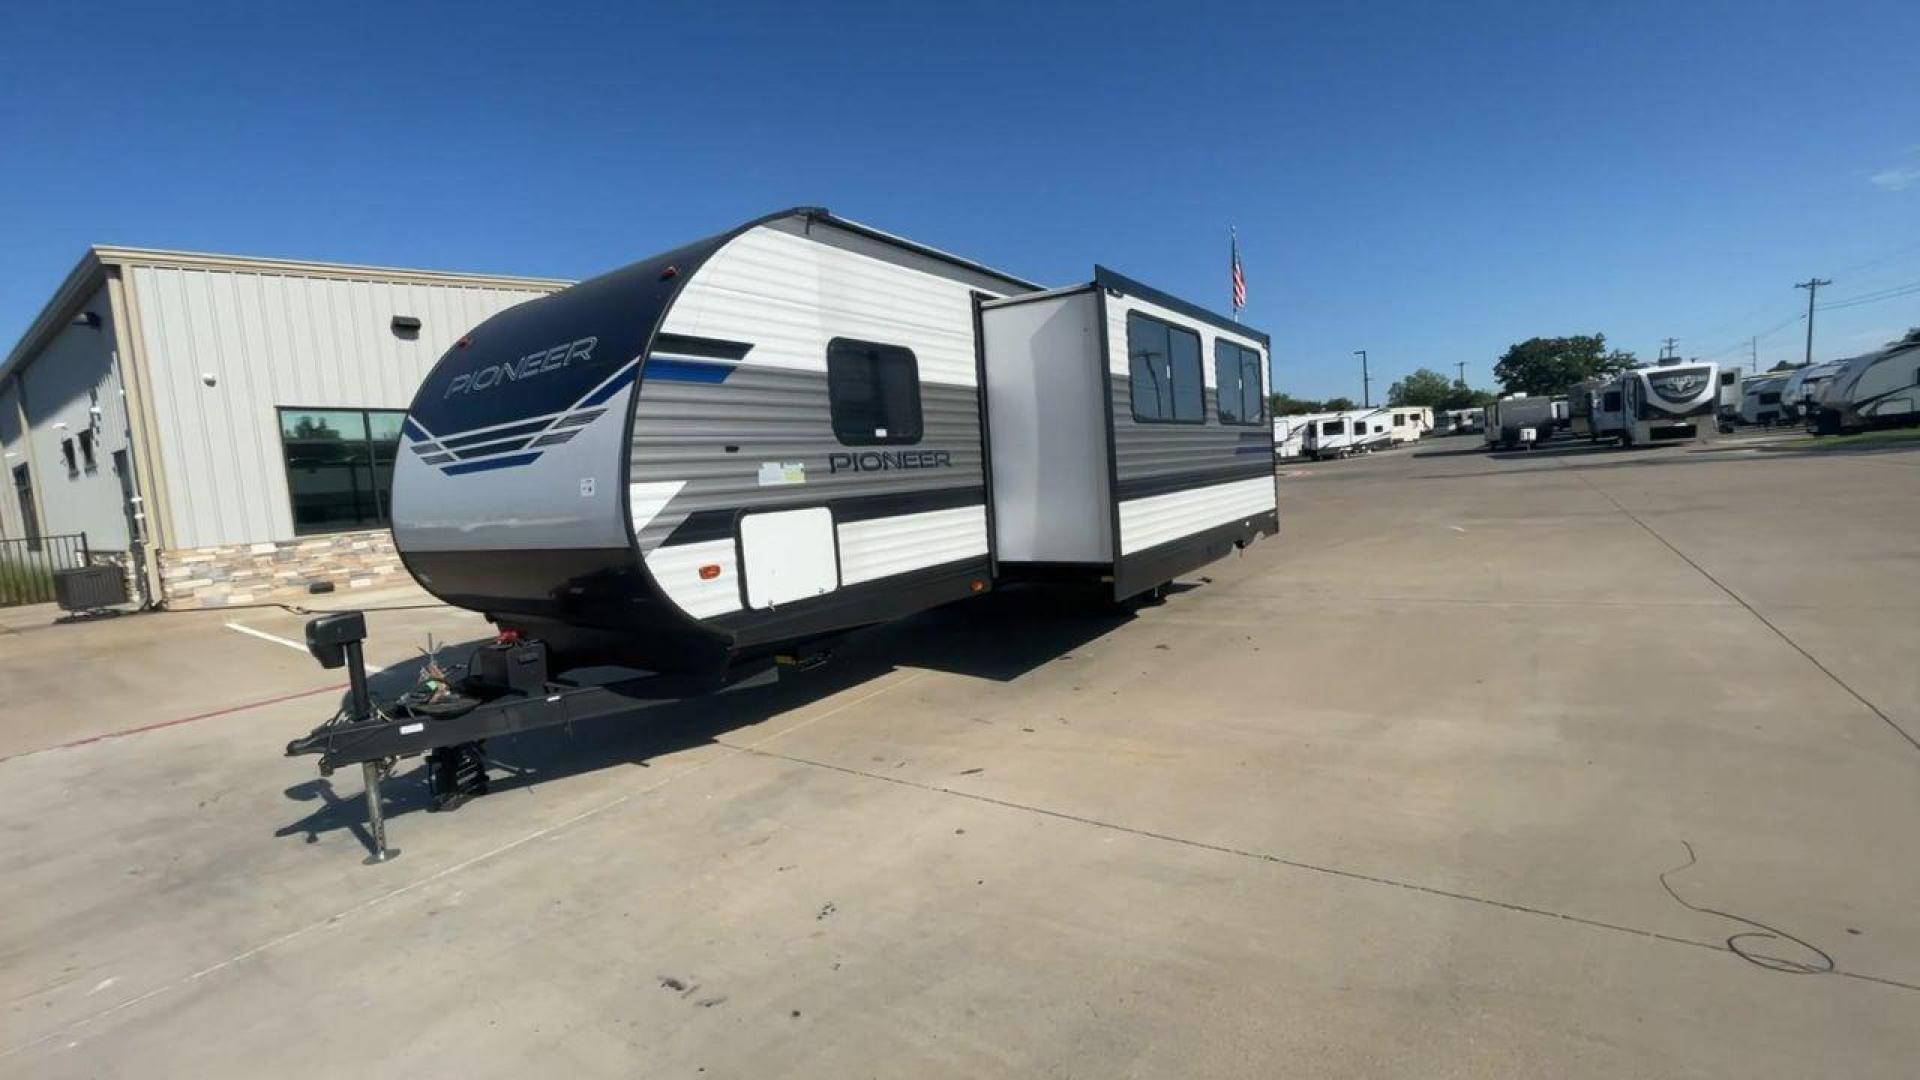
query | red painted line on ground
[102, 737]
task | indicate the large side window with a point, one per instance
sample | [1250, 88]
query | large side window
[873, 392]
[1163, 367]
[340, 466]
[1236, 377]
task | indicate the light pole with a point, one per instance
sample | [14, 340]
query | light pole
[1366, 392]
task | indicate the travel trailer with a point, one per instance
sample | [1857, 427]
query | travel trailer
[1409, 422]
[1519, 420]
[1330, 436]
[1760, 400]
[751, 443]
[1674, 401]
[1290, 433]
[1372, 430]
[1880, 389]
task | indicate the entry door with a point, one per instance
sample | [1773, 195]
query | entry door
[788, 555]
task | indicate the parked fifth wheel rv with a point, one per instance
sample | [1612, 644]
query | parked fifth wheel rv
[1677, 401]
[753, 442]
[1519, 421]
[1880, 389]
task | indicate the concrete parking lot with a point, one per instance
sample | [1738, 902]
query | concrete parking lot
[1564, 763]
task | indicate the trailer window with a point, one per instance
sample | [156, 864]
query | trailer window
[1334, 427]
[1610, 401]
[1163, 368]
[1236, 376]
[873, 392]
[340, 466]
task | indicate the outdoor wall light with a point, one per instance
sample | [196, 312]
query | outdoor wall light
[209, 378]
[406, 327]
[89, 319]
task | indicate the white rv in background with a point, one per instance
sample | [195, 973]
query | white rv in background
[1372, 430]
[1880, 389]
[1410, 422]
[1290, 433]
[1343, 434]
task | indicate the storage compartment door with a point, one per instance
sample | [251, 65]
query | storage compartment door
[788, 555]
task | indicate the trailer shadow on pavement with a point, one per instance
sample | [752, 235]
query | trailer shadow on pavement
[996, 637]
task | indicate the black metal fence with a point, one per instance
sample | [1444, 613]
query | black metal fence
[27, 566]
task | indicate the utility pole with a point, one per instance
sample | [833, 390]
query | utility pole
[1753, 355]
[1812, 285]
[1462, 365]
[1366, 394]
[1666, 349]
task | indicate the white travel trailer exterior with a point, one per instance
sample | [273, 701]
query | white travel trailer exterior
[1880, 389]
[804, 425]
[1372, 430]
[1732, 390]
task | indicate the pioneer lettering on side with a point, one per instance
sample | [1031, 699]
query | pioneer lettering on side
[886, 460]
[534, 363]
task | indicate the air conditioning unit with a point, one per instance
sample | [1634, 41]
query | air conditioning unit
[89, 587]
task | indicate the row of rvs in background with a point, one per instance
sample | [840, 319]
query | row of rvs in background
[1324, 435]
[1876, 389]
[1674, 400]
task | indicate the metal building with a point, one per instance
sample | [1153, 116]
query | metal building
[225, 426]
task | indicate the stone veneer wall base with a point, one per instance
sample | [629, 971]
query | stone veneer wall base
[276, 571]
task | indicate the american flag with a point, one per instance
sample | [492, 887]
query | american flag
[1239, 278]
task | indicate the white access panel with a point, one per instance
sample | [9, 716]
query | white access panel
[788, 556]
[1047, 423]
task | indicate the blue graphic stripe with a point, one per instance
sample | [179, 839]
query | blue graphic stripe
[613, 386]
[685, 370]
[413, 431]
[491, 463]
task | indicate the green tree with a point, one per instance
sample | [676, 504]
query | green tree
[1288, 405]
[1337, 404]
[1424, 387]
[1554, 365]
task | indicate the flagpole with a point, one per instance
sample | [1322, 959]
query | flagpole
[1233, 248]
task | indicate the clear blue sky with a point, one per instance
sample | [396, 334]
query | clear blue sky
[1429, 182]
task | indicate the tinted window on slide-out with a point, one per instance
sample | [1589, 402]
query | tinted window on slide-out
[1334, 427]
[1610, 401]
[1163, 365]
[1236, 377]
[873, 392]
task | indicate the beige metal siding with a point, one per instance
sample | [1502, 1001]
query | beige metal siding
[270, 340]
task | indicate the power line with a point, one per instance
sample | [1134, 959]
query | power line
[1892, 292]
